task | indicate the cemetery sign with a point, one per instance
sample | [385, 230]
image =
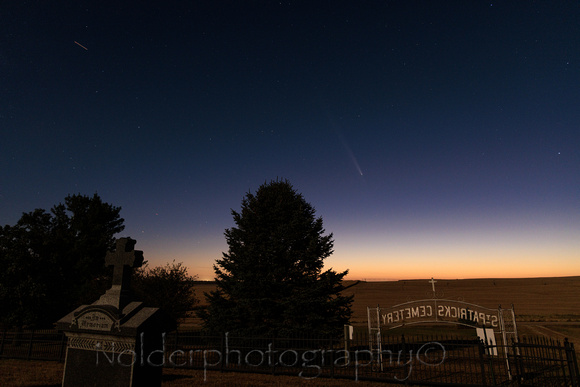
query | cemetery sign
[488, 322]
[438, 311]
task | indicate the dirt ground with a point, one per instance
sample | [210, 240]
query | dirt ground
[21, 373]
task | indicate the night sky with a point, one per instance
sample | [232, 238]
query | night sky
[436, 138]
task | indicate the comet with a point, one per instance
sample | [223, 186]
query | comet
[81, 45]
[350, 154]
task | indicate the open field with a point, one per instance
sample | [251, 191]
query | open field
[544, 306]
[534, 299]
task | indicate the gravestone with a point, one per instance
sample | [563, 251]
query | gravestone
[116, 341]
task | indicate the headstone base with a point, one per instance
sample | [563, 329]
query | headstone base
[97, 360]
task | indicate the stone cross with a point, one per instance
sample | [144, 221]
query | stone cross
[123, 260]
[432, 282]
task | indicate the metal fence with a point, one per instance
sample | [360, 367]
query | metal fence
[545, 362]
[422, 360]
[46, 344]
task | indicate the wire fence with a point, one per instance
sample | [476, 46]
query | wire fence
[427, 360]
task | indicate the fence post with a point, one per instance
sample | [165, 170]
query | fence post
[481, 350]
[563, 361]
[404, 352]
[272, 364]
[63, 344]
[517, 361]
[222, 351]
[30, 344]
[346, 336]
[2, 342]
[572, 363]
[175, 340]
[331, 357]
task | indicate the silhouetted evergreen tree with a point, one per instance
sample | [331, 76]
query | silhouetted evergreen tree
[270, 282]
[52, 262]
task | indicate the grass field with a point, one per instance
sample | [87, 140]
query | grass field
[547, 307]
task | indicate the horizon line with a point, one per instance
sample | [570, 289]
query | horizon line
[437, 278]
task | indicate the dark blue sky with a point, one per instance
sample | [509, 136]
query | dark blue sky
[434, 138]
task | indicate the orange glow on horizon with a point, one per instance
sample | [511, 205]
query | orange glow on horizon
[495, 254]
[406, 266]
